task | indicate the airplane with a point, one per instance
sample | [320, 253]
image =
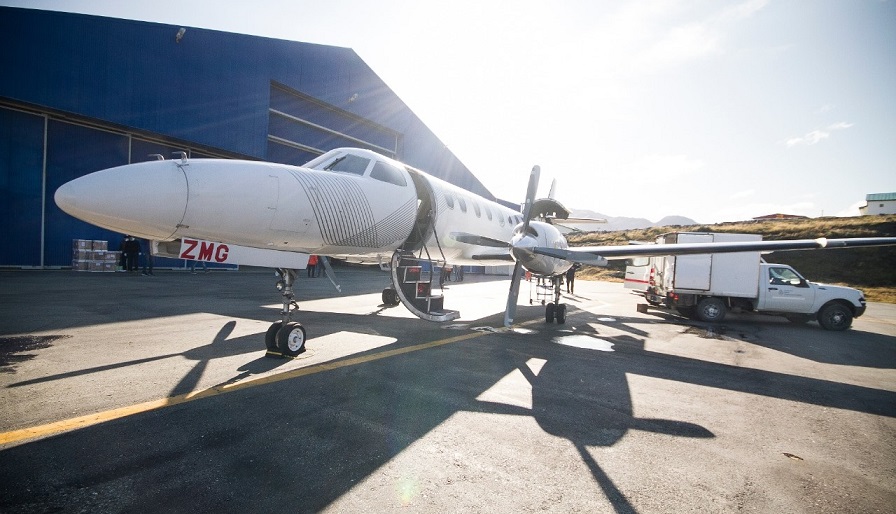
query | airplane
[359, 206]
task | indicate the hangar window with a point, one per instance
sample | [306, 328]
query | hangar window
[388, 173]
[449, 200]
[463, 204]
[476, 209]
[348, 163]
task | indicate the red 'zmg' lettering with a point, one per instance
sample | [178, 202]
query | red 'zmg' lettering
[205, 251]
[188, 251]
[221, 254]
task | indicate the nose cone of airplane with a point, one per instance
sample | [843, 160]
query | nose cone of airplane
[146, 200]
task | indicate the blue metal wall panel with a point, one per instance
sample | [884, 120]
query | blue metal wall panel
[21, 186]
[288, 155]
[212, 89]
[74, 151]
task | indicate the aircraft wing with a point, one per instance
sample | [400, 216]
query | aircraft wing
[599, 254]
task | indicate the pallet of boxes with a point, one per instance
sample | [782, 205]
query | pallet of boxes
[94, 255]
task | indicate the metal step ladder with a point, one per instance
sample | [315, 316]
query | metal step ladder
[412, 278]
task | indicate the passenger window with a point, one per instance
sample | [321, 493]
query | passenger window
[387, 173]
[488, 212]
[449, 200]
[500, 220]
[476, 209]
[349, 163]
[463, 204]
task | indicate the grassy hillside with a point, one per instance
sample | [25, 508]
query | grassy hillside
[872, 270]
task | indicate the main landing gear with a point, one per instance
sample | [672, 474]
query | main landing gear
[286, 338]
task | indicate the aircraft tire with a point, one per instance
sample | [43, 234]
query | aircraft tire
[270, 338]
[291, 339]
[550, 311]
[711, 310]
[561, 313]
[390, 297]
[835, 316]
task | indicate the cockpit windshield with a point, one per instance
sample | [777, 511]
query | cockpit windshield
[344, 162]
[348, 163]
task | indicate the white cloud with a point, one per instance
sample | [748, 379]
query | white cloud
[817, 135]
[743, 194]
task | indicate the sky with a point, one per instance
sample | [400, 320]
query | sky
[714, 110]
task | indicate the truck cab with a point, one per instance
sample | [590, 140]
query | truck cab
[785, 292]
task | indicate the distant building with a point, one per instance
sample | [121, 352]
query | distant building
[779, 217]
[879, 203]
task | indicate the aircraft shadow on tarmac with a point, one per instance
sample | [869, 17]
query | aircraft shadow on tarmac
[301, 444]
[852, 347]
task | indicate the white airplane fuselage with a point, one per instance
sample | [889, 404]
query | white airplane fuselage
[348, 203]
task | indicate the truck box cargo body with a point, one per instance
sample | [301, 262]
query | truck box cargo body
[706, 286]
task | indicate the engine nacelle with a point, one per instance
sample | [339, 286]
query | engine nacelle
[539, 234]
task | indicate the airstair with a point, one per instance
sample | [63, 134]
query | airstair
[412, 278]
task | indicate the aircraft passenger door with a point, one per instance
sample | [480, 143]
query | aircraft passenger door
[785, 291]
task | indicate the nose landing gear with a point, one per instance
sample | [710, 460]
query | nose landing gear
[286, 338]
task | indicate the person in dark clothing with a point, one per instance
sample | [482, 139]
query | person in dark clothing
[131, 249]
[147, 257]
[571, 278]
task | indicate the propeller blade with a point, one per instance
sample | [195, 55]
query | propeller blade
[530, 194]
[514, 292]
[513, 295]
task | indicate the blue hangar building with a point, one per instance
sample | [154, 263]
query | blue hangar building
[83, 93]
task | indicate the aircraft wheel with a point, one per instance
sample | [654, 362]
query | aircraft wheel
[835, 316]
[270, 338]
[390, 297]
[291, 339]
[549, 312]
[711, 310]
[561, 313]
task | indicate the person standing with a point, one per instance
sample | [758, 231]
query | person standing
[571, 278]
[312, 266]
[131, 252]
[148, 258]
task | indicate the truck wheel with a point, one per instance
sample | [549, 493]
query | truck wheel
[689, 312]
[710, 310]
[799, 318]
[835, 316]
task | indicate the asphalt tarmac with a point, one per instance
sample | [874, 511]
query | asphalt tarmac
[124, 393]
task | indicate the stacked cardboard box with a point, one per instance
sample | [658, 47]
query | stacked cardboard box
[93, 255]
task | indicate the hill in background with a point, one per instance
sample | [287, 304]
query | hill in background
[872, 270]
[624, 223]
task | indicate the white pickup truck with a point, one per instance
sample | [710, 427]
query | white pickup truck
[706, 286]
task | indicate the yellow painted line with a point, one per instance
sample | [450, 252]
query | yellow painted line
[113, 414]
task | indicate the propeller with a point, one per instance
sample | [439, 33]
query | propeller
[514, 292]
